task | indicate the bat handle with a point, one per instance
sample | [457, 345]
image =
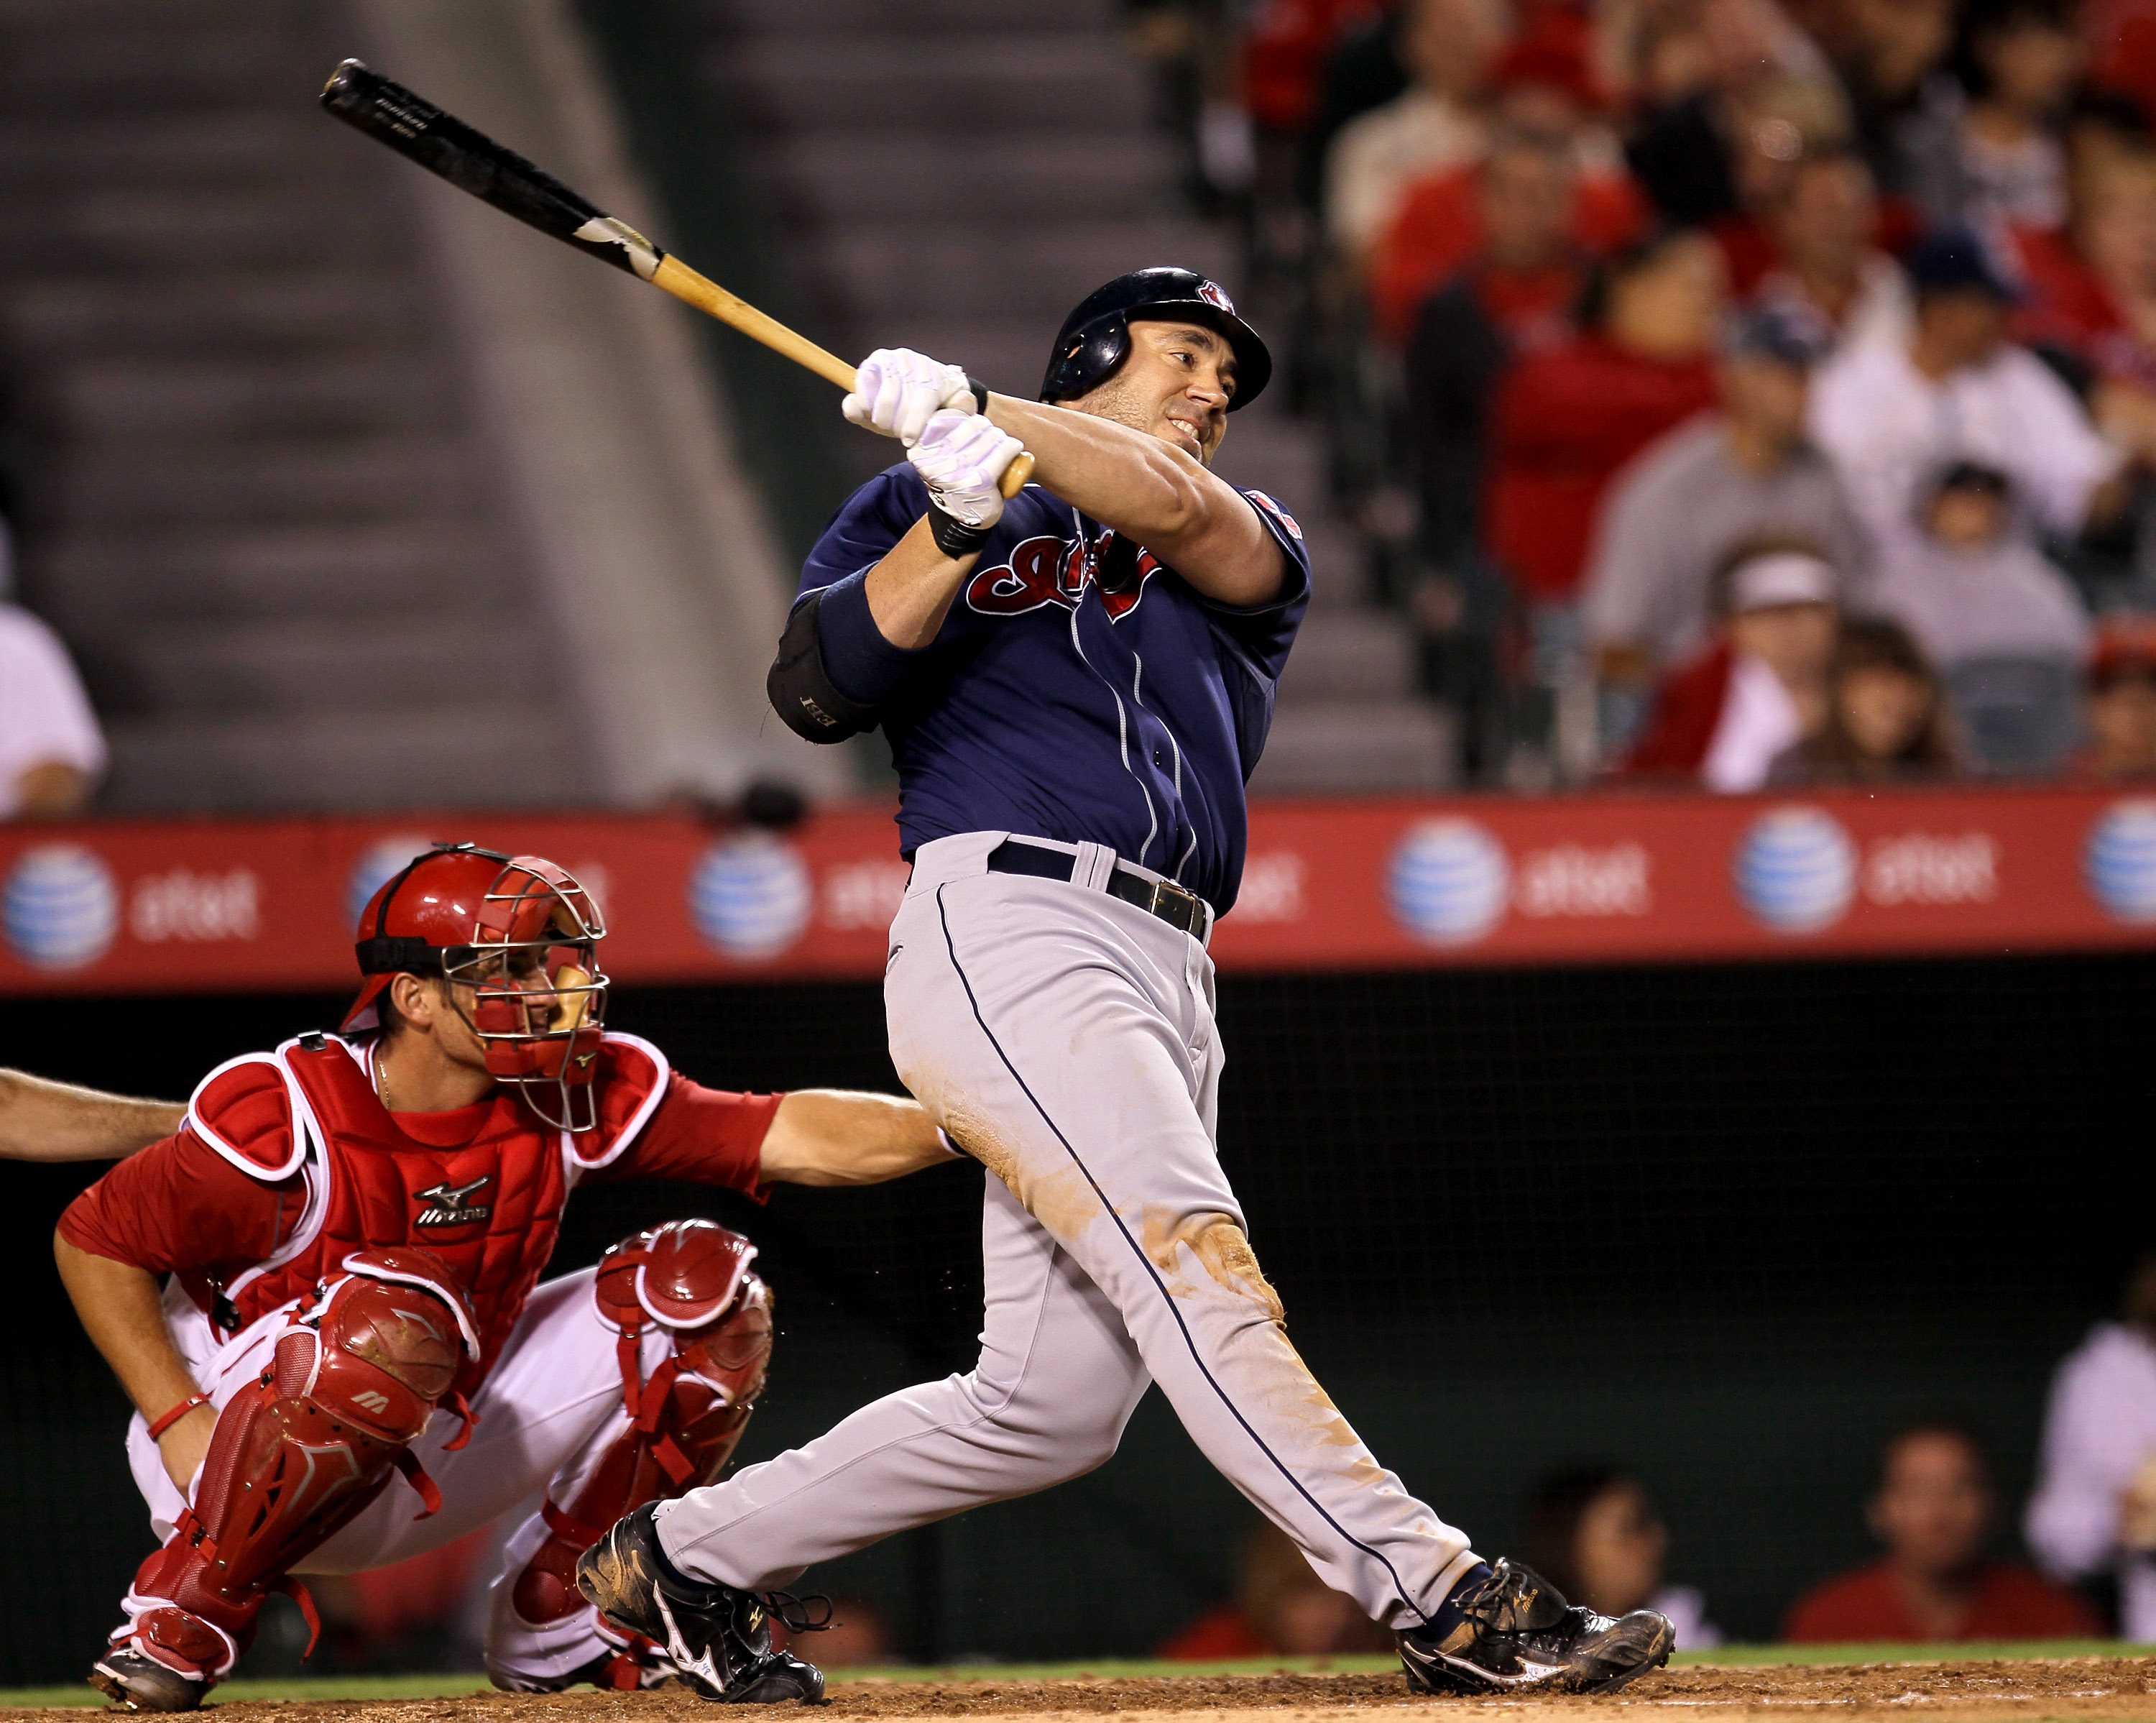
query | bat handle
[675, 277]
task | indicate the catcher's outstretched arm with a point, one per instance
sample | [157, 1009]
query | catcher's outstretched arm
[43, 1120]
[839, 1136]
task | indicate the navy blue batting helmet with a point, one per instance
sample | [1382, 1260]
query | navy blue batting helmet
[1096, 337]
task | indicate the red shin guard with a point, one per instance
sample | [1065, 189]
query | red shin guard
[692, 1278]
[299, 1452]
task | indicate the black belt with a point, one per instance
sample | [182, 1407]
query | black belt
[1179, 906]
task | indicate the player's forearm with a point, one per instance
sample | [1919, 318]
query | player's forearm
[910, 590]
[41, 1120]
[122, 1310]
[1150, 491]
[835, 1137]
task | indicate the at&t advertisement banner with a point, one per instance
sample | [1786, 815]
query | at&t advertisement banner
[207, 906]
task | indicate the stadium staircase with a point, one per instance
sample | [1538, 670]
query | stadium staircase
[954, 175]
[256, 504]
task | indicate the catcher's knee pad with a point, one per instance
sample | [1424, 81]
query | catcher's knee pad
[299, 1453]
[691, 1279]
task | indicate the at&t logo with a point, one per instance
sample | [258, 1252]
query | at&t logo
[2119, 865]
[1449, 880]
[59, 908]
[751, 896]
[1796, 870]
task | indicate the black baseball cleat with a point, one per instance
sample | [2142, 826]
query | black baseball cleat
[1516, 1633]
[139, 1683]
[717, 1639]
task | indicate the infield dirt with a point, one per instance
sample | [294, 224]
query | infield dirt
[2027, 1690]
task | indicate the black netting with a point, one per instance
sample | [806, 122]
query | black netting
[1727, 1225]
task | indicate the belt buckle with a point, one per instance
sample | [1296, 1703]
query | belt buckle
[1184, 915]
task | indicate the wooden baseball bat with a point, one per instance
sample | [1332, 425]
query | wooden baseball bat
[472, 162]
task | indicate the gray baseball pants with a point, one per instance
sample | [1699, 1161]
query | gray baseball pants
[1066, 1039]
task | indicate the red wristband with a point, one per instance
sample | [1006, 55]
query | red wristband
[159, 1426]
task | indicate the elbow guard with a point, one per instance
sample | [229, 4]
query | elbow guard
[801, 690]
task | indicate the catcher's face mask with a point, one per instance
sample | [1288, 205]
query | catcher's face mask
[538, 996]
[516, 938]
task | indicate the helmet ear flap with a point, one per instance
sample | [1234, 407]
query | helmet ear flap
[1088, 358]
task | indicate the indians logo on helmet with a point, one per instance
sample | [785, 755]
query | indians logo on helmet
[1210, 292]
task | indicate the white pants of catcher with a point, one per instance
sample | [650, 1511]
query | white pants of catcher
[550, 1407]
[1066, 1039]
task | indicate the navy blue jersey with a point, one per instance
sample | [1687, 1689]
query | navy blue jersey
[1079, 689]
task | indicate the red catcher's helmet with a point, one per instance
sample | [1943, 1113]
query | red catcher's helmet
[524, 936]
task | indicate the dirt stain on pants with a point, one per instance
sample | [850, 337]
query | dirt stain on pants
[1283, 1379]
[1063, 1201]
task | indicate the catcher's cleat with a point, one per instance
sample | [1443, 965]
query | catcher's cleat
[717, 1639]
[1517, 1633]
[629, 1664]
[139, 1683]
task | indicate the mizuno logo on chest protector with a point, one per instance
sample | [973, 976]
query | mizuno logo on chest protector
[446, 1205]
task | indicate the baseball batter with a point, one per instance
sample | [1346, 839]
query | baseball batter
[1076, 687]
[354, 1226]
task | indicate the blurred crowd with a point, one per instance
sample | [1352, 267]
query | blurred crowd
[1934, 1511]
[1738, 391]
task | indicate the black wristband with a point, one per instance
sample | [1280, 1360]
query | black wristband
[980, 393]
[954, 536]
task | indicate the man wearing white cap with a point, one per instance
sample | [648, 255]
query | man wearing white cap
[1761, 686]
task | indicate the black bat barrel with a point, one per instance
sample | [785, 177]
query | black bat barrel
[472, 162]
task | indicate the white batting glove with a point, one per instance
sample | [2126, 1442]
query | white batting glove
[896, 389]
[961, 457]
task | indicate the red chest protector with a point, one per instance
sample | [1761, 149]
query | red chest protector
[490, 1208]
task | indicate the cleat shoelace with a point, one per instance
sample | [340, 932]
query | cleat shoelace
[798, 1615]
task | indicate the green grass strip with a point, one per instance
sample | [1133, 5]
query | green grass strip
[1958, 1651]
[450, 1686]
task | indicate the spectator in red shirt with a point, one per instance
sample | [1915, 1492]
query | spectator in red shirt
[1541, 90]
[1515, 296]
[1284, 50]
[1934, 1510]
[1566, 419]
[1280, 1609]
[1436, 122]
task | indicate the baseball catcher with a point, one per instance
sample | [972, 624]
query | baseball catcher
[1075, 684]
[353, 1359]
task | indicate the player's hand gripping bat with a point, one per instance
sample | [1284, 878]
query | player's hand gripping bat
[472, 162]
